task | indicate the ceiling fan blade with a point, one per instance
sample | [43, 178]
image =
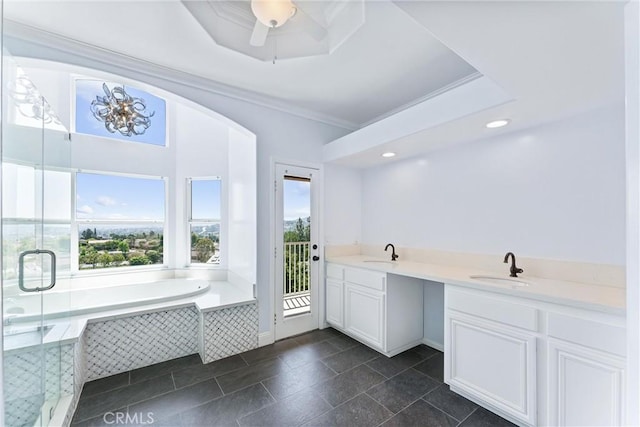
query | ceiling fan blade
[315, 30]
[259, 34]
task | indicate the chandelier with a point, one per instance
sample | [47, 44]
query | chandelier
[121, 112]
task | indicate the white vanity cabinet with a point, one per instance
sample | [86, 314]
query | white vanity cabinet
[490, 352]
[585, 376]
[535, 363]
[334, 288]
[381, 310]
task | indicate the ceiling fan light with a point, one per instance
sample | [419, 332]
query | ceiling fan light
[273, 13]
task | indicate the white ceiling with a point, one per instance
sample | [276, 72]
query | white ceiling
[389, 62]
[553, 58]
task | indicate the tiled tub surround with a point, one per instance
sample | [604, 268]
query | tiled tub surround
[22, 380]
[105, 343]
[322, 378]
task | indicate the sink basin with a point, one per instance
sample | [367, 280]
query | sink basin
[378, 261]
[513, 281]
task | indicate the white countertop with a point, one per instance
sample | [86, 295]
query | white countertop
[581, 295]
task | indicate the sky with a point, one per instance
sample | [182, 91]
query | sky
[87, 90]
[205, 199]
[117, 197]
[297, 199]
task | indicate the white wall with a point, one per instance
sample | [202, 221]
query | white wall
[632, 96]
[554, 191]
[342, 213]
[242, 207]
[201, 147]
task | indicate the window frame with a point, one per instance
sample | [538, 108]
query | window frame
[76, 222]
[190, 222]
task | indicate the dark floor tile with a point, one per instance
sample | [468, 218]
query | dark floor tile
[244, 377]
[317, 336]
[434, 367]
[106, 419]
[344, 342]
[162, 368]
[306, 353]
[178, 401]
[173, 421]
[350, 358]
[270, 351]
[390, 366]
[225, 410]
[421, 414]
[293, 411]
[105, 384]
[200, 372]
[295, 380]
[125, 418]
[451, 403]
[484, 418]
[98, 404]
[348, 384]
[400, 391]
[360, 411]
[426, 351]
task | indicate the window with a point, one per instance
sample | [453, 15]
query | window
[29, 196]
[204, 220]
[87, 91]
[120, 220]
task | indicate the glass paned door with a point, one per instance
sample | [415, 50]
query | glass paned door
[36, 216]
[297, 252]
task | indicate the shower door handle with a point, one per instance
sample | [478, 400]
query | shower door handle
[52, 283]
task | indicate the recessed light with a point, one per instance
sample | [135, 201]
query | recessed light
[498, 123]
[388, 154]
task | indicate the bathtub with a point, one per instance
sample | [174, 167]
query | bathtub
[57, 304]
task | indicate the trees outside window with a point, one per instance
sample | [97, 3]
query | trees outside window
[204, 220]
[120, 220]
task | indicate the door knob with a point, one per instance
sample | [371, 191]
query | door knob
[316, 258]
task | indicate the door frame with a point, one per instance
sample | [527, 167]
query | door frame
[319, 183]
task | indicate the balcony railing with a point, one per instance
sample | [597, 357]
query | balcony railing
[296, 268]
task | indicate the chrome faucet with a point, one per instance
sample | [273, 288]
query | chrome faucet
[393, 251]
[513, 269]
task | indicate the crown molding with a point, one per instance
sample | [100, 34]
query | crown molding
[114, 61]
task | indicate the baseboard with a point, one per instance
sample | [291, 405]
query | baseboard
[433, 344]
[265, 338]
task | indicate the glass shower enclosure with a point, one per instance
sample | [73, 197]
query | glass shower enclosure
[37, 356]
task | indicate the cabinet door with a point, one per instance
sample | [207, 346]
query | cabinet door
[496, 364]
[335, 308]
[585, 386]
[364, 314]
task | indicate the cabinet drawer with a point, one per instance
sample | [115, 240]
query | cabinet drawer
[335, 271]
[496, 309]
[370, 279]
[589, 333]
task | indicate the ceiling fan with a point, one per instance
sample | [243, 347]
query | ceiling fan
[272, 14]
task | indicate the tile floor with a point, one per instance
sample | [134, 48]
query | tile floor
[322, 378]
